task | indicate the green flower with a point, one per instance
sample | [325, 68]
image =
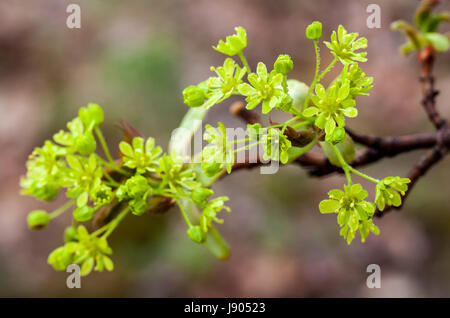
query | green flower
[200, 196]
[385, 191]
[79, 138]
[219, 151]
[212, 164]
[101, 194]
[179, 177]
[234, 44]
[88, 251]
[219, 88]
[140, 157]
[209, 213]
[359, 83]
[46, 171]
[276, 146]
[83, 176]
[352, 211]
[344, 46]
[263, 88]
[136, 189]
[331, 106]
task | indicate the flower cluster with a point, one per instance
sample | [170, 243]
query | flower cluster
[263, 89]
[234, 44]
[386, 191]
[344, 46]
[84, 249]
[354, 213]
[143, 174]
[331, 106]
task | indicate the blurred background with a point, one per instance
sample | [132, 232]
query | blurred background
[134, 58]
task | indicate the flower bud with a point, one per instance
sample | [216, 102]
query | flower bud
[314, 31]
[211, 168]
[85, 144]
[83, 214]
[91, 113]
[70, 235]
[283, 64]
[138, 206]
[200, 195]
[196, 234]
[194, 96]
[337, 136]
[38, 219]
[285, 103]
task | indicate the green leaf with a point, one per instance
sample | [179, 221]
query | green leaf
[190, 123]
[297, 90]
[439, 41]
[347, 149]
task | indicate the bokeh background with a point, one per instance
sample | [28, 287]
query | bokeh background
[134, 58]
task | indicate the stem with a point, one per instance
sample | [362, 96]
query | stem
[61, 209]
[361, 174]
[241, 140]
[244, 62]
[246, 147]
[345, 166]
[186, 219]
[284, 84]
[113, 166]
[287, 123]
[100, 137]
[316, 74]
[111, 180]
[301, 124]
[113, 224]
[325, 71]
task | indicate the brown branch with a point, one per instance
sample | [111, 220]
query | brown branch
[442, 136]
[378, 148]
[426, 59]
